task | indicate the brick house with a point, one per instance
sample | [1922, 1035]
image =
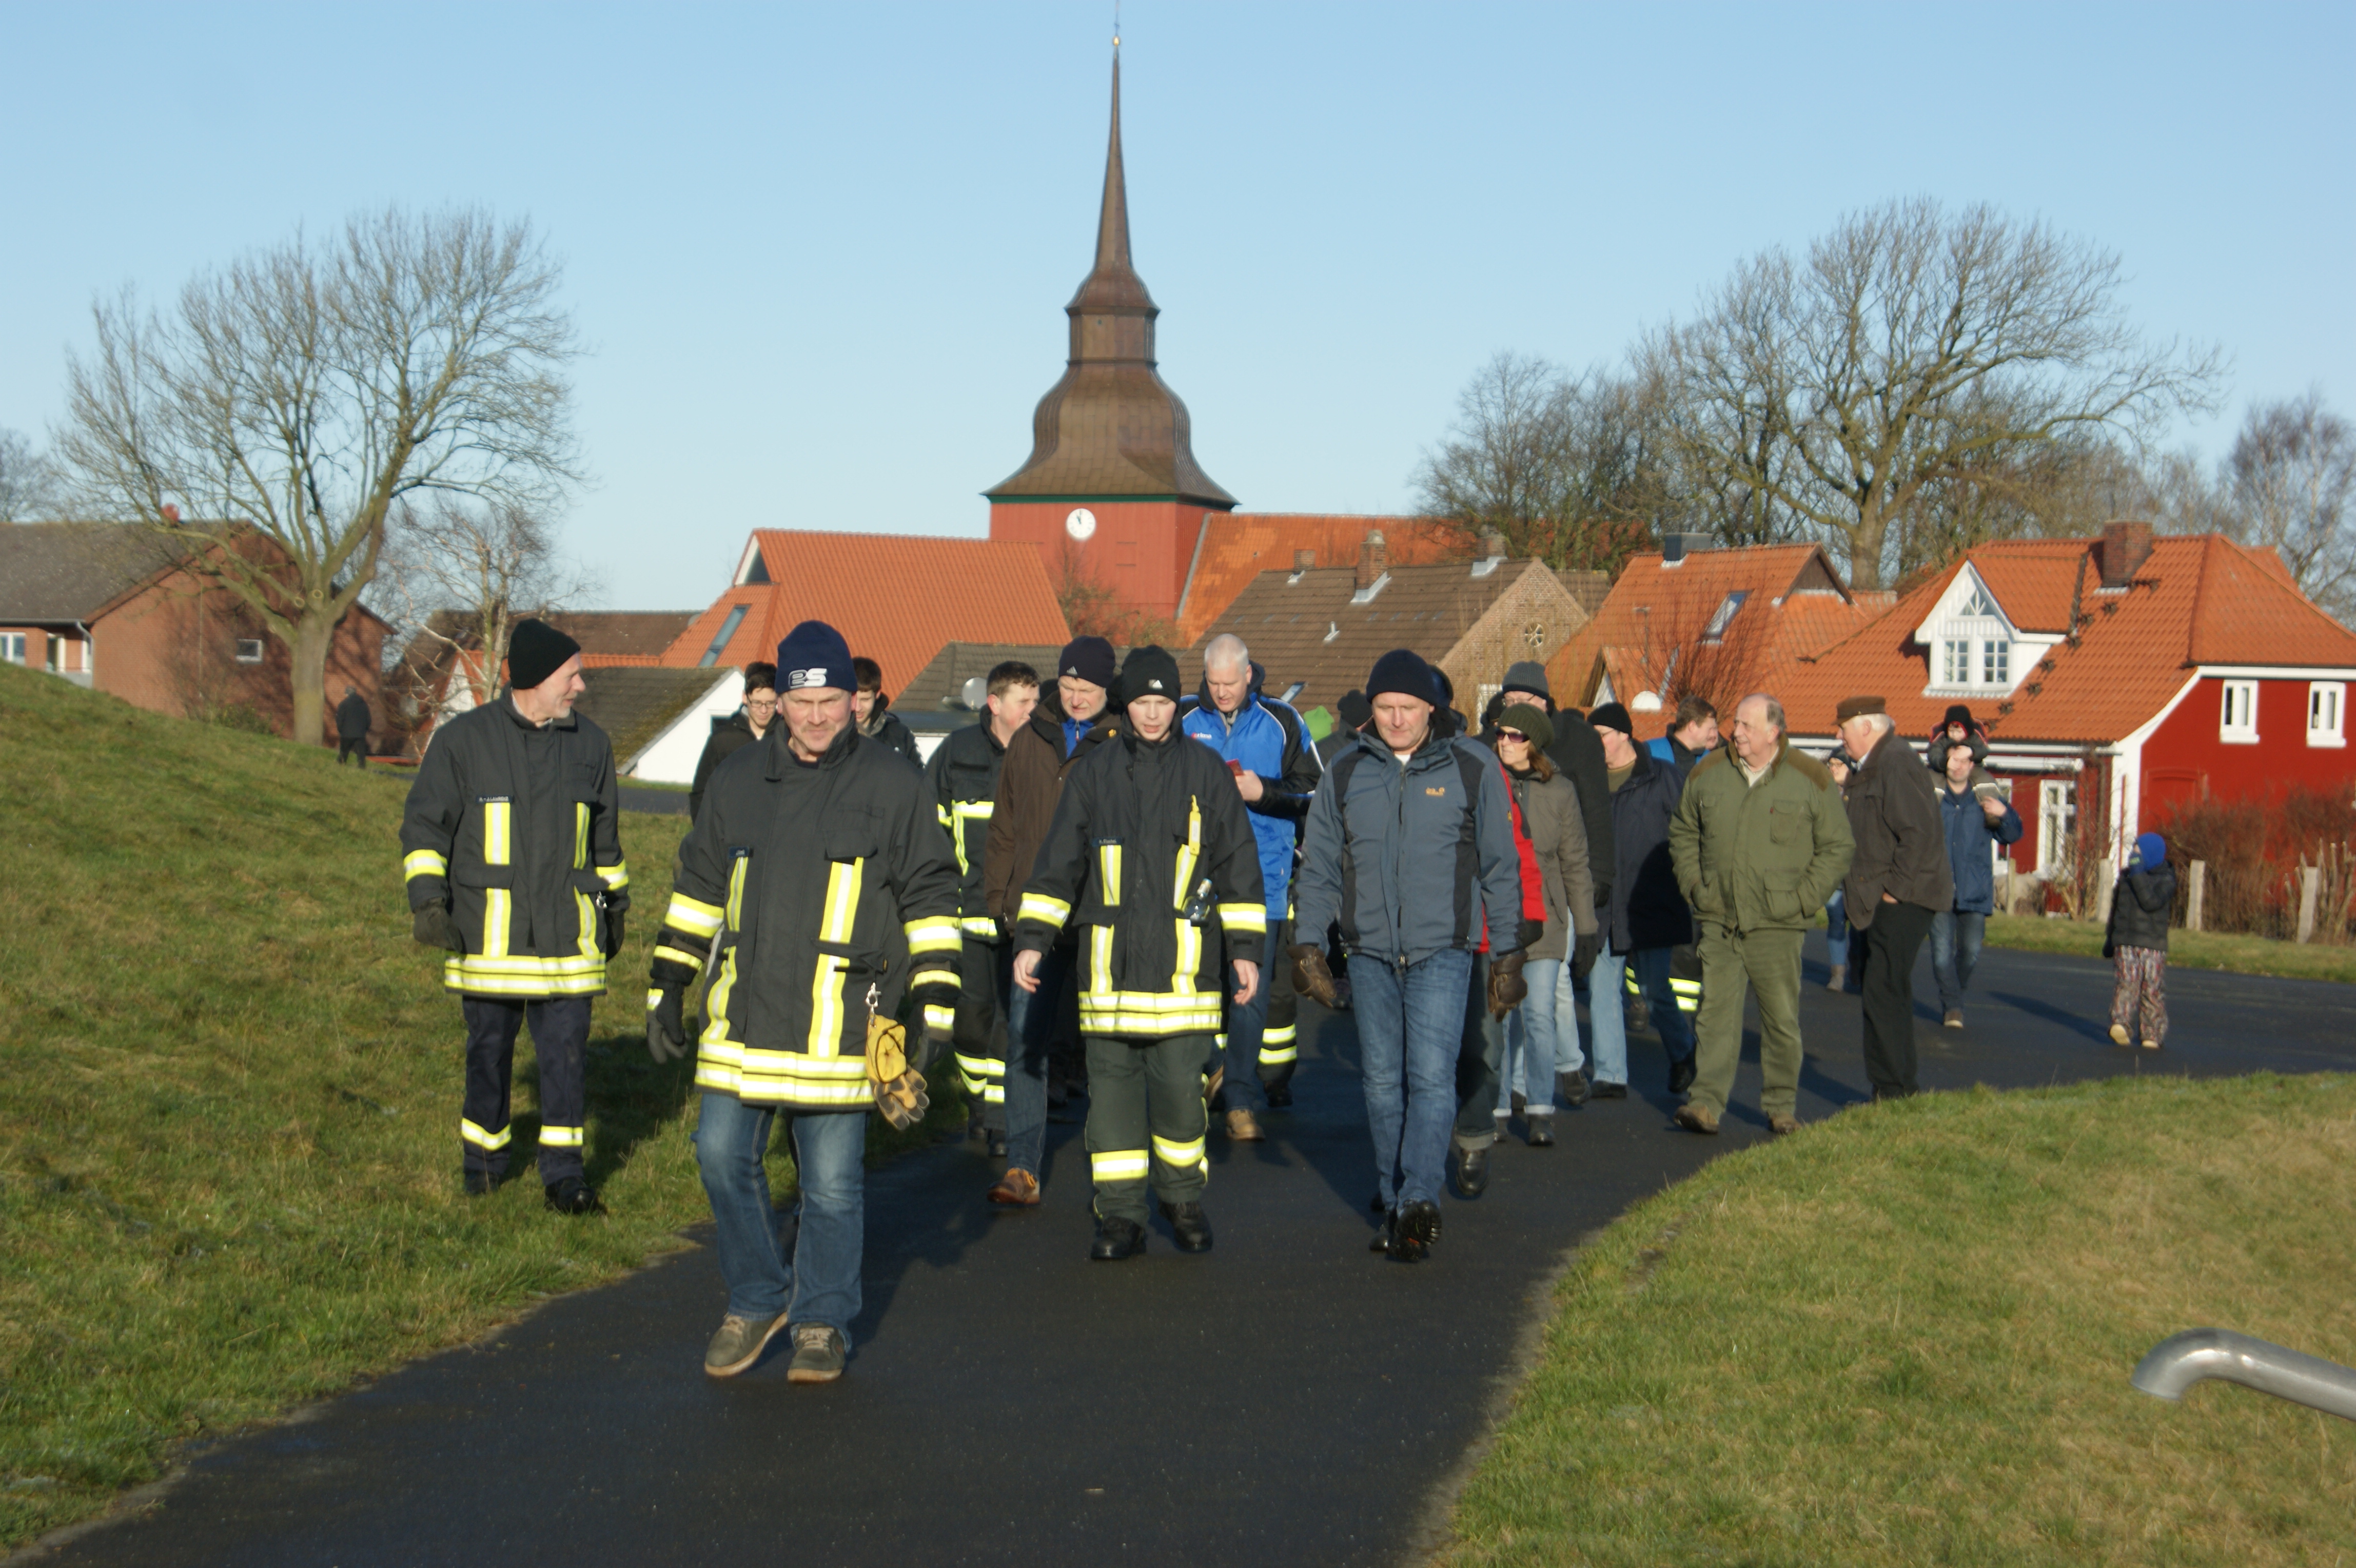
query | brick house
[114, 606]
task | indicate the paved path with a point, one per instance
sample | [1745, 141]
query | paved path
[1287, 1398]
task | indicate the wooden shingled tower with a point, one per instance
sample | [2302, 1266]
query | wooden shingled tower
[1111, 492]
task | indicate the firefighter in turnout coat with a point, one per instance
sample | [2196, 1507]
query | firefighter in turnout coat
[818, 888]
[514, 865]
[1149, 848]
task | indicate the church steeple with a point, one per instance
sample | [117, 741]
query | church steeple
[1110, 427]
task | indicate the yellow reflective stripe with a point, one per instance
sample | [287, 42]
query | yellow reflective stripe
[939, 1017]
[694, 960]
[580, 836]
[805, 1093]
[1190, 959]
[842, 879]
[588, 926]
[1188, 853]
[715, 1004]
[737, 893]
[1271, 1056]
[1119, 1164]
[1109, 875]
[1283, 1037]
[521, 986]
[955, 817]
[1182, 1156]
[693, 916]
[560, 1137]
[1239, 918]
[498, 908]
[974, 1070]
[654, 999]
[483, 1137]
[1049, 912]
[934, 933]
[615, 876]
[1108, 1018]
[978, 925]
[423, 862]
[1099, 960]
[756, 1062]
[496, 815]
[995, 1094]
[1628, 974]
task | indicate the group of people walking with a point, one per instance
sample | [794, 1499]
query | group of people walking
[1163, 871]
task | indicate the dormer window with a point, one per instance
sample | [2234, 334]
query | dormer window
[1970, 642]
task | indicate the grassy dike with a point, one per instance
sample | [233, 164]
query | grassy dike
[229, 1099]
[1904, 1335]
[2186, 950]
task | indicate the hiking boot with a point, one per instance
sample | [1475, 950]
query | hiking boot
[1018, 1188]
[1520, 1105]
[1697, 1119]
[1681, 1075]
[572, 1196]
[1541, 1132]
[1414, 1231]
[1279, 1096]
[1573, 1085]
[1116, 1240]
[739, 1343]
[1472, 1173]
[1954, 1018]
[1782, 1124]
[2119, 1035]
[477, 1184]
[1214, 1086]
[818, 1354]
[1189, 1224]
[1386, 1229]
[1243, 1129]
[1608, 1090]
[1839, 979]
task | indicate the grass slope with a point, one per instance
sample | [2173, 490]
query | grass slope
[229, 1099]
[1904, 1335]
[2186, 950]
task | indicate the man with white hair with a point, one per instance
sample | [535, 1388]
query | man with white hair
[1897, 886]
[1276, 770]
[1758, 843]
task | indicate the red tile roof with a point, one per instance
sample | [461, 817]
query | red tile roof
[2197, 599]
[1237, 547]
[896, 598]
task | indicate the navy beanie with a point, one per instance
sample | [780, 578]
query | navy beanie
[2151, 850]
[534, 651]
[1403, 672]
[1612, 715]
[1087, 659]
[1150, 672]
[812, 655]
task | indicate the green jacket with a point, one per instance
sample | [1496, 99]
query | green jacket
[1760, 857]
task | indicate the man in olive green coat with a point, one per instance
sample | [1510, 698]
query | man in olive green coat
[1759, 842]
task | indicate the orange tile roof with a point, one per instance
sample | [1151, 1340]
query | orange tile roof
[896, 598]
[1235, 547]
[2198, 600]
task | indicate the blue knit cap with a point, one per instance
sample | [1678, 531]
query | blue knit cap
[2150, 850]
[812, 655]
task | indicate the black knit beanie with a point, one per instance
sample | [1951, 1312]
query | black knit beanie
[534, 651]
[1149, 672]
[1402, 671]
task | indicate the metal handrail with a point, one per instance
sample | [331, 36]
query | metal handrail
[2180, 1360]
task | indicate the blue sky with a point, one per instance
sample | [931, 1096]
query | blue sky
[820, 253]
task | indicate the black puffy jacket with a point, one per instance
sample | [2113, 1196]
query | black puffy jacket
[2140, 907]
[1647, 910]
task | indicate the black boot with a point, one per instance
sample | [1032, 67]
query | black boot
[477, 1183]
[1192, 1229]
[1472, 1173]
[1681, 1075]
[1414, 1231]
[1116, 1240]
[1279, 1096]
[1386, 1229]
[572, 1196]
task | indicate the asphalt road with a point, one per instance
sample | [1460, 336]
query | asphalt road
[1287, 1397]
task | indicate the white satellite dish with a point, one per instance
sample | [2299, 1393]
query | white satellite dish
[1080, 524]
[974, 693]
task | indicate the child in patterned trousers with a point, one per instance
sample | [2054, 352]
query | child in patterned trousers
[2136, 944]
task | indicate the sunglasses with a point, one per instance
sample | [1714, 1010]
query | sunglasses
[1513, 734]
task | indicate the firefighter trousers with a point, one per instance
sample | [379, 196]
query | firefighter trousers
[559, 1034]
[1146, 1121]
[985, 979]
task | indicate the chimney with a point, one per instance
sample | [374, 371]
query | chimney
[1492, 545]
[1675, 547]
[1374, 559]
[2126, 547]
[1302, 560]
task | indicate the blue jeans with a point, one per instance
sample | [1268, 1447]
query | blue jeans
[1955, 938]
[1530, 1042]
[1030, 1029]
[821, 1283]
[1836, 928]
[1410, 1025]
[1606, 985]
[1245, 1025]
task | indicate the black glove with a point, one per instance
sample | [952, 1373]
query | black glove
[432, 927]
[1529, 934]
[666, 1028]
[613, 943]
[1311, 978]
[1506, 986]
[1582, 954]
[938, 1000]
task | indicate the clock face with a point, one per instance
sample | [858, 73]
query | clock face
[1080, 522]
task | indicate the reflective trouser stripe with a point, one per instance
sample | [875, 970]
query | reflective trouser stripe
[1119, 1164]
[1687, 992]
[1185, 1157]
[560, 1137]
[1279, 1046]
[482, 1138]
[975, 1072]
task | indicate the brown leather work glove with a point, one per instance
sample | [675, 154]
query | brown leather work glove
[1311, 978]
[1506, 986]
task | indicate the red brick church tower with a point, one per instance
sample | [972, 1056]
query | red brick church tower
[1111, 492]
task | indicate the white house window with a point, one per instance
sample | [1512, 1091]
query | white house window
[1973, 652]
[248, 651]
[2237, 720]
[1995, 663]
[2325, 701]
[2057, 828]
[12, 647]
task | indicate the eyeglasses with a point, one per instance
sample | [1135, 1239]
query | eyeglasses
[1516, 736]
[762, 704]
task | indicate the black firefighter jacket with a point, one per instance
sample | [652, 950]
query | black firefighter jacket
[962, 779]
[1140, 828]
[821, 883]
[514, 825]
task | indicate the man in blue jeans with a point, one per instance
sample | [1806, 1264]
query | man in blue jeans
[818, 886]
[1648, 917]
[1409, 847]
[1978, 817]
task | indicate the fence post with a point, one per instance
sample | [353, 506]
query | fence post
[2192, 897]
[2310, 888]
[2106, 880]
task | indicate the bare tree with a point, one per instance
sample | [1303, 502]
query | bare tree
[485, 565]
[2292, 473]
[1908, 352]
[28, 480]
[293, 397]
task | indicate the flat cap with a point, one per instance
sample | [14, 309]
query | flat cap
[1858, 707]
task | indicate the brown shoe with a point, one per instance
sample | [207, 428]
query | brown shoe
[1018, 1188]
[1697, 1119]
[1780, 1125]
[1243, 1129]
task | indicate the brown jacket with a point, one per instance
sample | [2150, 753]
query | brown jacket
[1901, 838]
[1030, 782]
